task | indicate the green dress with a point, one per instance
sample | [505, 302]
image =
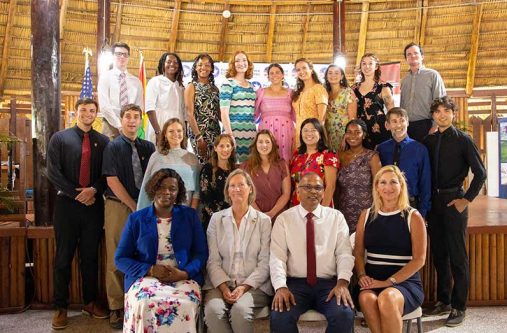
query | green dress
[337, 117]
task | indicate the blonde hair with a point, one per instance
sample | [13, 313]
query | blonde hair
[251, 195]
[403, 199]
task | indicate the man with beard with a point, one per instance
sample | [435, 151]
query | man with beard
[74, 167]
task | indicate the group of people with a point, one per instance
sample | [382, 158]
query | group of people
[326, 164]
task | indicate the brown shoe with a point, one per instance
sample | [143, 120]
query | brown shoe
[116, 319]
[59, 319]
[94, 310]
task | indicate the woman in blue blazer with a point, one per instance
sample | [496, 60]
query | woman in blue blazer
[162, 252]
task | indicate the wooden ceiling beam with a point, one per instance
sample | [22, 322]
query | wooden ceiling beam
[305, 30]
[266, 2]
[174, 26]
[5, 47]
[223, 32]
[63, 14]
[474, 49]
[117, 25]
[363, 29]
[271, 34]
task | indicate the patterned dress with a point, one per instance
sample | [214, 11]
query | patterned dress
[302, 164]
[277, 116]
[337, 117]
[154, 306]
[354, 186]
[207, 115]
[241, 104]
[306, 105]
[371, 109]
[212, 192]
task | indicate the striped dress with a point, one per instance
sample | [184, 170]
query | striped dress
[388, 248]
[241, 104]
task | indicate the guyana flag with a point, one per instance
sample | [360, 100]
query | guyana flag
[142, 76]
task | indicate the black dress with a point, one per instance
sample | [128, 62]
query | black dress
[212, 192]
[370, 109]
[388, 248]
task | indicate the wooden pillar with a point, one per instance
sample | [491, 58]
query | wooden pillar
[117, 26]
[306, 24]
[363, 28]
[271, 34]
[103, 28]
[338, 28]
[6, 45]
[223, 33]
[474, 49]
[174, 26]
[45, 99]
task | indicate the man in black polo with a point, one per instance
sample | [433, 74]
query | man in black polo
[125, 161]
[75, 169]
[453, 154]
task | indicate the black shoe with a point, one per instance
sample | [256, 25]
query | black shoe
[455, 318]
[116, 319]
[437, 310]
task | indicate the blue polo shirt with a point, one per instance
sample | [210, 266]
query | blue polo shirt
[415, 163]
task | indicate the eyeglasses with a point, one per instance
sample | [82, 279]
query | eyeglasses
[309, 188]
[121, 54]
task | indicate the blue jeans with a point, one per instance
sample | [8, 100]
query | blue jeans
[340, 319]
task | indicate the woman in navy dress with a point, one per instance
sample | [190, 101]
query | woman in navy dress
[393, 236]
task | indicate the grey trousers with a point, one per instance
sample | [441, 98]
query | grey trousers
[221, 317]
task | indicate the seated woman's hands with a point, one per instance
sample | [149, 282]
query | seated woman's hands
[366, 282]
[232, 296]
[167, 273]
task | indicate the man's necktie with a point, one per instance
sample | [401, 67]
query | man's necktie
[311, 265]
[136, 166]
[396, 155]
[86, 154]
[124, 94]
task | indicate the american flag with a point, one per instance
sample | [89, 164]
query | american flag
[87, 87]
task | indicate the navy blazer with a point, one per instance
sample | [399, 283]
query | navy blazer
[138, 247]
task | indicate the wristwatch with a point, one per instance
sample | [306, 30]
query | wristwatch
[393, 281]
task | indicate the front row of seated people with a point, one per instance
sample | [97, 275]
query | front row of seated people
[306, 260]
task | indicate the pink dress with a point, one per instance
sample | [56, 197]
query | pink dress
[276, 115]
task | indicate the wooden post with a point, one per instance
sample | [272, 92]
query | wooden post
[103, 29]
[223, 31]
[421, 19]
[271, 34]
[45, 99]
[474, 49]
[5, 47]
[63, 14]
[305, 30]
[338, 28]
[174, 26]
[117, 25]
[363, 28]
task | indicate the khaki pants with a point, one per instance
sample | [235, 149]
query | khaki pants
[115, 218]
[108, 130]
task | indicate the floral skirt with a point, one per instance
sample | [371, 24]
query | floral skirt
[154, 306]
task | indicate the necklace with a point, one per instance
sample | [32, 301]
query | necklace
[354, 155]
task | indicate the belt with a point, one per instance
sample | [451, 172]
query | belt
[448, 190]
[113, 199]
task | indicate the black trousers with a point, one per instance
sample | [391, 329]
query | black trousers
[447, 230]
[76, 226]
[418, 130]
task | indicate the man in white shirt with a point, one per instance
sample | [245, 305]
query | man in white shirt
[117, 88]
[315, 276]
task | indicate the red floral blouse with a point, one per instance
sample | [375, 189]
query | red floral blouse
[302, 163]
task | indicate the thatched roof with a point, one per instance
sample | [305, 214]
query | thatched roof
[298, 28]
